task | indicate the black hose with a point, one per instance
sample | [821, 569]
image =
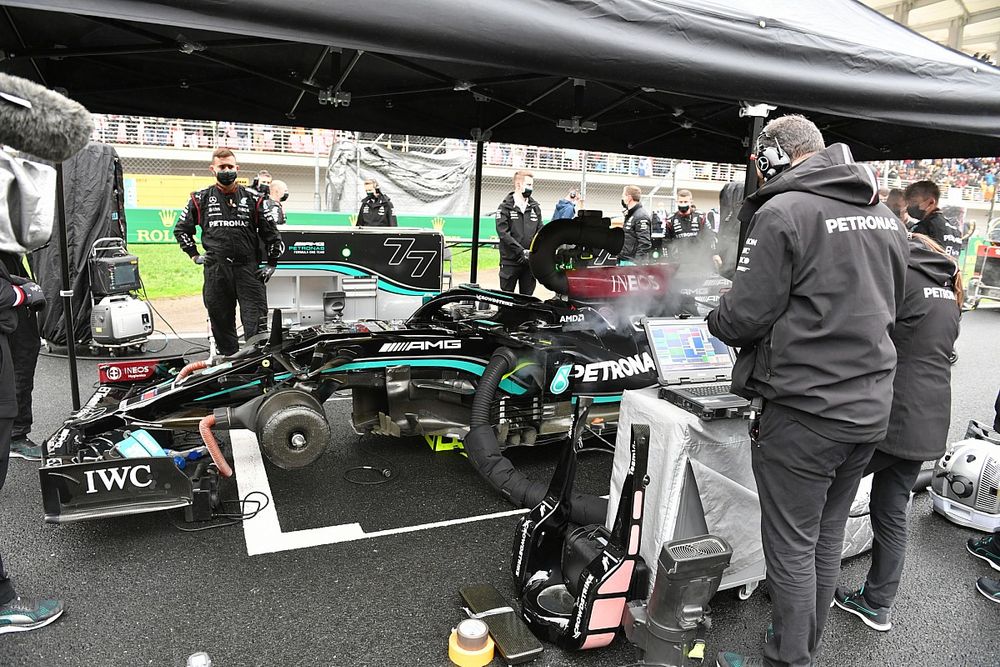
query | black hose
[588, 229]
[923, 480]
[483, 450]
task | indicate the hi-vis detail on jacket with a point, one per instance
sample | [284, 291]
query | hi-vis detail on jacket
[853, 223]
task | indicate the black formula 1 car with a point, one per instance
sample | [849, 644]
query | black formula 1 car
[511, 365]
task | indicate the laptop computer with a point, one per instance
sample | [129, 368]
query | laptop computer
[694, 368]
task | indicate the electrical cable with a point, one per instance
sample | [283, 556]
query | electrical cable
[237, 518]
[382, 466]
[145, 298]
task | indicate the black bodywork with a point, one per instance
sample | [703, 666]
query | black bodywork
[405, 379]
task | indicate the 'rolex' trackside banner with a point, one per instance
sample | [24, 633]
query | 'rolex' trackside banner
[155, 225]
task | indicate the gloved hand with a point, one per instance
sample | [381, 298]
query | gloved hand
[199, 259]
[34, 298]
[265, 272]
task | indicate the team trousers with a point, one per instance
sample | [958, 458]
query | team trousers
[806, 484]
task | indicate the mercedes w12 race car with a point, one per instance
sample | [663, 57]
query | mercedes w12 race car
[512, 365]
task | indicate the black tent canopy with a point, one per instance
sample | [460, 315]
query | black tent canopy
[652, 77]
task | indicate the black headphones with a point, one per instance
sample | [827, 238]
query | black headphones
[771, 160]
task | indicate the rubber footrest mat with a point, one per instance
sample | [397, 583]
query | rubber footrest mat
[514, 641]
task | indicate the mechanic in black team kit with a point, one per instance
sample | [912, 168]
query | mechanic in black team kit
[925, 332]
[518, 218]
[687, 235]
[376, 208]
[637, 225]
[235, 225]
[812, 305]
[922, 200]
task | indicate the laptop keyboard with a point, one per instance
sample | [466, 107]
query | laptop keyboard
[710, 390]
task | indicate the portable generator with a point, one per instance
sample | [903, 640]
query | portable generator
[966, 483]
[118, 319]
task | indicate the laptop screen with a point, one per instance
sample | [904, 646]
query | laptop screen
[686, 349]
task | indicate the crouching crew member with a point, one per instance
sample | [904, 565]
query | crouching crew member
[234, 226]
[518, 219]
[925, 332]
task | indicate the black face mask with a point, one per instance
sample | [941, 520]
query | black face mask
[284, 196]
[624, 205]
[683, 209]
[225, 177]
[913, 210]
[369, 193]
[526, 192]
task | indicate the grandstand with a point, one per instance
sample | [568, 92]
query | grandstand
[164, 159]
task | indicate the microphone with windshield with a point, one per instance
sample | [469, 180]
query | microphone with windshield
[41, 122]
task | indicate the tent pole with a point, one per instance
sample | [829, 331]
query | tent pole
[66, 293]
[357, 170]
[476, 211]
[750, 181]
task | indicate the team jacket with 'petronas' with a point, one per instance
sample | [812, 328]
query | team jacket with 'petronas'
[925, 333]
[234, 226]
[814, 297]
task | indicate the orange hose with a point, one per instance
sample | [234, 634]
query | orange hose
[191, 368]
[205, 428]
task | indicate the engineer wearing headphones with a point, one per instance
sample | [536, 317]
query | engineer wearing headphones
[812, 305]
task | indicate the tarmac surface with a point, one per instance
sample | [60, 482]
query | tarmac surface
[138, 591]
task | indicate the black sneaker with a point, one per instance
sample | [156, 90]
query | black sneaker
[987, 548]
[854, 602]
[730, 659]
[990, 588]
[24, 448]
[23, 614]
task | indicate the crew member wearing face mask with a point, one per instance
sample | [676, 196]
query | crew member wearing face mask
[518, 218]
[279, 194]
[687, 236]
[376, 208]
[239, 232]
[922, 206]
[637, 226]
